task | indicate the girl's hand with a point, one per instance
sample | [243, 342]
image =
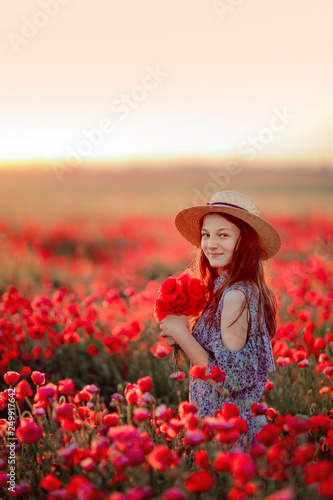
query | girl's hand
[169, 341]
[173, 326]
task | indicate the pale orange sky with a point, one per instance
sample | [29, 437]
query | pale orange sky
[227, 78]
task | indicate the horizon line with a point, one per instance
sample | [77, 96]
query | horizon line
[173, 161]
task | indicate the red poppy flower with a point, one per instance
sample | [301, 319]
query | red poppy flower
[11, 377]
[65, 412]
[25, 371]
[194, 437]
[269, 385]
[28, 432]
[132, 394]
[319, 471]
[170, 289]
[229, 410]
[299, 355]
[73, 425]
[36, 352]
[110, 419]
[141, 414]
[329, 337]
[184, 294]
[239, 424]
[161, 309]
[68, 455]
[179, 305]
[160, 350]
[303, 455]
[145, 384]
[117, 398]
[174, 426]
[199, 482]
[222, 462]
[177, 376]
[84, 412]
[217, 374]
[23, 389]
[88, 464]
[66, 386]
[257, 450]
[304, 315]
[71, 338]
[49, 353]
[92, 350]
[38, 378]
[173, 493]
[201, 459]
[50, 483]
[227, 436]
[295, 425]
[277, 455]
[191, 421]
[328, 371]
[83, 395]
[238, 493]
[80, 486]
[319, 423]
[46, 392]
[269, 434]
[162, 458]
[195, 289]
[326, 487]
[258, 408]
[319, 344]
[198, 372]
[271, 413]
[283, 361]
[92, 388]
[20, 489]
[184, 408]
[4, 479]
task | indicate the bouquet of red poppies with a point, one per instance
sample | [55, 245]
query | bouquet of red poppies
[183, 294]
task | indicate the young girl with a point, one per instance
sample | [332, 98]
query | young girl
[234, 331]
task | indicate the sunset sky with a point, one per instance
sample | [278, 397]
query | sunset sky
[250, 79]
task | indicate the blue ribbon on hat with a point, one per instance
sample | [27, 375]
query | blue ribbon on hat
[227, 204]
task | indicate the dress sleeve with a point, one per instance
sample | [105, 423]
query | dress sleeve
[240, 366]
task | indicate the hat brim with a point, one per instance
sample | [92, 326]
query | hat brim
[188, 223]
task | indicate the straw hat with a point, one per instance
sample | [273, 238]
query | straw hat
[188, 221]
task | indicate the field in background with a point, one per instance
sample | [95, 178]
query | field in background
[108, 195]
[77, 292]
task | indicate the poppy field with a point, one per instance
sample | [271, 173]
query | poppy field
[90, 406]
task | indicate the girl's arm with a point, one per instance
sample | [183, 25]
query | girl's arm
[175, 327]
[183, 337]
[191, 347]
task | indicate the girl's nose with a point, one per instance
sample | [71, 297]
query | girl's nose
[211, 243]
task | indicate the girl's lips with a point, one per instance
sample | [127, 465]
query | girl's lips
[215, 254]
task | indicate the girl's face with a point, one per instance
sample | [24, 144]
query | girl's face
[218, 240]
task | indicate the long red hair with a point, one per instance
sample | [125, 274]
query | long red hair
[247, 266]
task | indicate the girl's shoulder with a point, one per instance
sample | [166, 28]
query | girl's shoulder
[249, 288]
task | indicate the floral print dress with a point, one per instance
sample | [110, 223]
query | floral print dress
[246, 368]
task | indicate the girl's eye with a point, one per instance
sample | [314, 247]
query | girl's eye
[203, 235]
